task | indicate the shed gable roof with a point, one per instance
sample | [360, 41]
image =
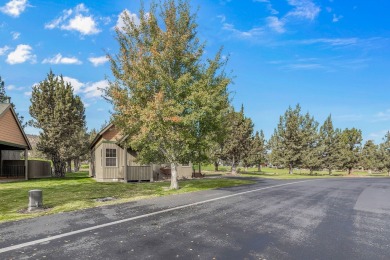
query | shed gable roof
[11, 132]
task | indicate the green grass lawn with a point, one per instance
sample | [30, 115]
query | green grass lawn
[78, 191]
[274, 173]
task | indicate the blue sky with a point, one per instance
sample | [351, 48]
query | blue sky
[331, 56]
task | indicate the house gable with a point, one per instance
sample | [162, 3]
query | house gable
[11, 132]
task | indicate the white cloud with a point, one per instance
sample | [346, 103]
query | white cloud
[256, 31]
[331, 41]
[304, 9]
[59, 59]
[21, 54]
[76, 19]
[383, 116]
[304, 66]
[90, 90]
[13, 87]
[95, 90]
[336, 18]
[96, 61]
[14, 7]
[3, 50]
[120, 23]
[15, 35]
[86, 25]
[275, 24]
[76, 84]
[28, 93]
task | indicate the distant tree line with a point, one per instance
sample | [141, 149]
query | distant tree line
[299, 141]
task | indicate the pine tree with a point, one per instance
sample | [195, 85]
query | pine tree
[60, 115]
[167, 99]
[311, 153]
[3, 95]
[258, 151]
[369, 156]
[293, 139]
[349, 147]
[329, 145]
[238, 142]
[384, 154]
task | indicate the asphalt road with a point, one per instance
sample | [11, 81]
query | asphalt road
[317, 219]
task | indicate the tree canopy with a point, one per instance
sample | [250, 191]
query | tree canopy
[167, 97]
[60, 115]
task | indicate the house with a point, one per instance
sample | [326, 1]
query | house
[13, 141]
[110, 161]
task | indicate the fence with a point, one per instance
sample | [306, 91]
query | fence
[139, 173]
[16, 169]
[13, 171]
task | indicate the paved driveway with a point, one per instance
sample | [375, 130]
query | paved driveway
[317, 219]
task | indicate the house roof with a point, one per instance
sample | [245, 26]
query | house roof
[100, 134]
[4, 107]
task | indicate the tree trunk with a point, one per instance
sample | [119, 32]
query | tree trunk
[330, 171]
[388, 172]
[290, 169]
[59, 167]
[259, 167]
[369, 171]
[234, 168]
[69, 166]
[174, 182]
[76, 166]
[216, 164]
[200, 168]
[311, 170]
[349, 171]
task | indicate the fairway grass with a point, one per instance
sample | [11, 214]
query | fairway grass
[282, 174]
[78, 191]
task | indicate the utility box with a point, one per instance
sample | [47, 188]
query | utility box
[34, 200]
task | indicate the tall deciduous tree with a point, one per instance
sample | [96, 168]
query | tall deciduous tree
[369, 156]
[329, 145]
[238, 143]
[60, 115]
[167, 99]
[349, 145]
[292, 138]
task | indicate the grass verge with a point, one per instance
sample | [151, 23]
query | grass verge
[283, 174]
[78, 191]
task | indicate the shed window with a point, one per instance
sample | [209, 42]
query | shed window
[111, 159]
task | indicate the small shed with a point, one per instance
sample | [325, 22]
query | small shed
[111, 162]
[13, 141]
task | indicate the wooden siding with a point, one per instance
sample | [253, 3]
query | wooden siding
[112, 134]
[10, 131]
[10, 155]
[184, 172]
[112, 172]
[139, 173]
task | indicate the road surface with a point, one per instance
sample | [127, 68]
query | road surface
[345, 218]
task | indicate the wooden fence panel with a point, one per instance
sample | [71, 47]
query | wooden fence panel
[139, 173]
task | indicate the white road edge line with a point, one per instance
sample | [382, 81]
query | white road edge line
[48, 239]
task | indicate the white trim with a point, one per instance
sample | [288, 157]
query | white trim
[116, 158]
